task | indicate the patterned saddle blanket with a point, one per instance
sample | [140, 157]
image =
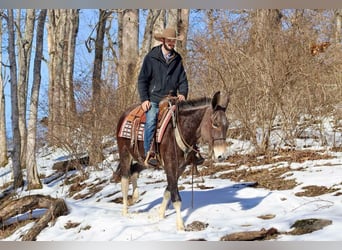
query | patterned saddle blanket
[134, 123]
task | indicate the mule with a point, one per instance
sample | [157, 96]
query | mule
[202, 117]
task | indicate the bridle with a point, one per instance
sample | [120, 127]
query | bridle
[181, 142]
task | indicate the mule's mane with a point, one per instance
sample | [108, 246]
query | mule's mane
[194, 103]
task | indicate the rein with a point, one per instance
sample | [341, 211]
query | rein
[181, 142]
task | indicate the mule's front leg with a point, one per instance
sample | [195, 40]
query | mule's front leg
[177, 206]
[164, 204]
[124, 190]
[179, 220]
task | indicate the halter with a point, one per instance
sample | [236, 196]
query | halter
[182, 144]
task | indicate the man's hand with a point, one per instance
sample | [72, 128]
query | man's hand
[181, 98]
[146, 105]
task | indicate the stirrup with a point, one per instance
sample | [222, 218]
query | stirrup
[151, 160]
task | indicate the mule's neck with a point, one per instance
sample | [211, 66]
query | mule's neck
[190, 121]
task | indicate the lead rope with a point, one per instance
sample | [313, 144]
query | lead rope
[192, 185]
[182, 144]
[174, 118]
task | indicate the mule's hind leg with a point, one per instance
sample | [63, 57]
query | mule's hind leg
[124, 190]
[135, 192]
[125, 168]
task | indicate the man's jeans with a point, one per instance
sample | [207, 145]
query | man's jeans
[150, 125]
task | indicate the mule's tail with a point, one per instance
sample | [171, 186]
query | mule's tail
[135, 168]
[116, 177]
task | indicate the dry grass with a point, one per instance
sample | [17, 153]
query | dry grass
[273, 177]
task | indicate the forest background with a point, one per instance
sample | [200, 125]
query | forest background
[71, 72]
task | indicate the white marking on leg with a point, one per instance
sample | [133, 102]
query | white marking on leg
[163, 205]
[135, 193]
[179, 220]
[124, 190]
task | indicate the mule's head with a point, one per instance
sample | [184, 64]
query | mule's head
[214, 126]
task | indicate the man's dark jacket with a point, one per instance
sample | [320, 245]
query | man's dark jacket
[159, 78]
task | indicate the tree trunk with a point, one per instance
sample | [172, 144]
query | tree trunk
[338, 31]
[59, 97]
[24, 58]
[148, 39]
[263, 46]
[172, 18]
[95, 154]
[265, 22]
[3, 137]
[129, 50]
[159, 26]
[51, 31]
[18, 180]
[62, 32]
[33, 181]
[182, 28]
[72, 23]
[55, 208]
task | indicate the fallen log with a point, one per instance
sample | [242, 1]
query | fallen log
[251, 235]
[55, 208]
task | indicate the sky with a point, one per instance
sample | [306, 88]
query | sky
[225, 206]
[83, 60]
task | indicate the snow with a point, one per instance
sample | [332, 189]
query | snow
[227, 206]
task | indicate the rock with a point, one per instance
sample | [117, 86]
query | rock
[251, 235]
[196, 226]
[306, 226]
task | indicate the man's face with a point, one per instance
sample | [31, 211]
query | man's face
[169, 44]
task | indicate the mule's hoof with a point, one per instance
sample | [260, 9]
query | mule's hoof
[125, 212]
[180, 227]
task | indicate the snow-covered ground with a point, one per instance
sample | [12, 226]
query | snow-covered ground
[225, 206]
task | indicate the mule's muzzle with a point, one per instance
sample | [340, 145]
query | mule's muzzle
[220, 152]
[220, 158]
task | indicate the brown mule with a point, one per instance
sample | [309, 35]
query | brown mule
[177, 147]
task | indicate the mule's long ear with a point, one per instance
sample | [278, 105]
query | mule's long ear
[224, 100]
[220, 101]
[216, 100]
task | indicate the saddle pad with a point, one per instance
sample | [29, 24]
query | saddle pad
[134, 121]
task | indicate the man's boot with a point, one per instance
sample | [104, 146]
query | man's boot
[151, 159]
[199, 159]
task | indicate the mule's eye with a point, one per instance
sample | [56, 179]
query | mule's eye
[215, 125]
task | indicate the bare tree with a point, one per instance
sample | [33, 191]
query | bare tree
[172, 18]
[18, 180]
[62, 31]
[55, 50]
[95, 154]
[159, 25]
[183, 27]
[24, 40]
[33, 181]
[129, 25]
[153, 15]
[71, 34]
[179, 20]
[3, 140]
